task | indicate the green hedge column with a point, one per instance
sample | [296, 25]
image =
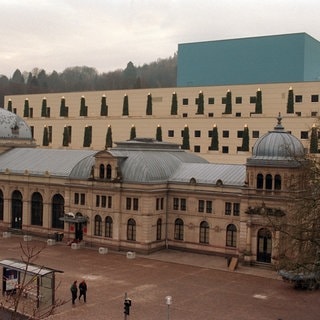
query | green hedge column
[26, 108]
[159, 133]
[125, 108]
[149, 105]
[314, 139]
[44, 107]
[109, 138]
[45, 140]
[200, 103]
[87, 139]
[104, 107]
[83, 107]
[290, 103]
[258, 102]
[63, 109]
[133, 132]
[65, 141]
[10, 105]
[228, 109]
[174, 104]
[185, 138]
[214, 139]
[245, 139]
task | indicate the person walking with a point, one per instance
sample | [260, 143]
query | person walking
[83, 290]
[74, 291]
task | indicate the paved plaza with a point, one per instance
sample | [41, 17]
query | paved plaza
[201, 286]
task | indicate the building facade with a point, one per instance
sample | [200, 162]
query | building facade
[145, 195]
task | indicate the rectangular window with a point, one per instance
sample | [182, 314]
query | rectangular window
[253, 99]
[184, 115]
[314, 113]
[175, 203]
[210, 114]
[185, 101]
[223, 100]
[183, 204]
[128, 203]
[97, 201]
[238, 100]
[304, 135]
[255, 134]
[240, 134]
[238, 114]
[209, 206]
[210, 134]
[225, 149]
[161, 203]
[32, 131]
[70, 133]
[197, 133]
[135, 204]
[236, 209]
[298, 114]
[50, 133]
[30, 112]
[201, 206]
[211, 100]
[76, 198]
[315, 98]
[225, 133]
[227, 208]
[109, 202]
[171, 133]
[196, 149]
[83, 199]
[158, 204]
[298, 98]
[103, 201]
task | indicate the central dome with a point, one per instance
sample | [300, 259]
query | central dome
[276, 146]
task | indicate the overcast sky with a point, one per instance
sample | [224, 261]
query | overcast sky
[107, 34]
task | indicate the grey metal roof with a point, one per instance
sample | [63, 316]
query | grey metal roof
[56, 162]
[209, 173]
[152, 165]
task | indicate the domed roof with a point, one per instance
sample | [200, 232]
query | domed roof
[277, 147]
[13, 127]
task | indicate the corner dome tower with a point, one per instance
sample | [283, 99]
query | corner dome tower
[277, 148]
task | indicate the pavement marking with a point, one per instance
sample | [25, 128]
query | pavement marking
[260, 296]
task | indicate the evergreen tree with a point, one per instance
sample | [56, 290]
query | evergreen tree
[314, 140]
[214, 139]
[65, 141]
[87, 140]
[200, 103]
[290, 102]
[83, 107]
[133, 132]
[109, 138]
[159, 133]
[245, 139]
[45, 140]
[258, 102]
[63, 109]
[174, 104]
[26, 108]
[104, 106]
[10, 105]
[44, 107]
[228, 109]
[125, 108]
[149, 105]
[185, 139]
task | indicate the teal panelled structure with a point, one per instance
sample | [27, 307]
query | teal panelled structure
[267, 59]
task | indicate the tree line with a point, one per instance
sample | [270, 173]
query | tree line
[158, 74]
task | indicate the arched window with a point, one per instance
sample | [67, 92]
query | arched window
[231, 237]
[109, 171]
[277, 182]
[16, 207]
[101, 171]
[159, 229]
[204, 232]
[260, 181]
[1, 205]
[269, 182]
[178, 229]
[57, 211]
[36, 209]
[97, 226]
[131, 230]
[108, 227]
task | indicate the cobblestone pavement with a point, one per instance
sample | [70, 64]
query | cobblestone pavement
[201, 286]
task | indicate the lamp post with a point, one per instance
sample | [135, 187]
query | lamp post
[168, 303]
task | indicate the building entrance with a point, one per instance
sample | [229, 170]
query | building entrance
[264, 246]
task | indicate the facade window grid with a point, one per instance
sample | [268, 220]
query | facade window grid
[131, 230]
[231, 236]
[204, 232]
[314, 98]
[178, 229]
[108, 227]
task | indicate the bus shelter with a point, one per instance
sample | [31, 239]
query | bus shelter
[36, 282]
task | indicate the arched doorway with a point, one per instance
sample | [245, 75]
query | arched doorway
[264, 247]
[16, 211]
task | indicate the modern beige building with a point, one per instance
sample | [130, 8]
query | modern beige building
[230, 126]
[144, 195]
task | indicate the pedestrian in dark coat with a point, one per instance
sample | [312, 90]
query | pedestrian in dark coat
[74, 291]
[83, 290]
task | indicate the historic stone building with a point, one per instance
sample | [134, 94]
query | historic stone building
[144, 195]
